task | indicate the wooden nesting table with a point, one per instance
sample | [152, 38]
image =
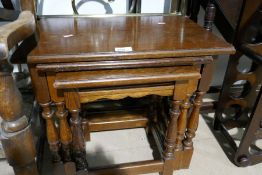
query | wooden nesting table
[85, 59]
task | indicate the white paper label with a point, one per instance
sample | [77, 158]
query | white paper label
[67, 36]
[123, 49]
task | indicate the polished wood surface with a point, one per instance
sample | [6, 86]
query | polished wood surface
[66, 39]
[76, 58]
[110, 78]
[110, 120]
[119, 64]
[142, 167]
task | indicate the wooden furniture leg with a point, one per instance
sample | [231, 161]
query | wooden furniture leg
[52, 135]
[64, 131]
[171, 138]
[78, 143]
[193, 120]
[40, 86]
[183, 161]
[182, 122]
[171, 141]
[16, 134]
[65, 134]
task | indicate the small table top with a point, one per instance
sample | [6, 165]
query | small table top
[75, 39]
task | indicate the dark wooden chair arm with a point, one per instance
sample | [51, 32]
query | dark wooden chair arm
[14, 32]
[254, 51]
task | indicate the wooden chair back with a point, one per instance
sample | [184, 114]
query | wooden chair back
[251, 30]
[30, 5]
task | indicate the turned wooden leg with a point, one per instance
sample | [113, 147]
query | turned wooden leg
[210, 15]
[193, 121]
[16, 134]
[182, 123]
[79, 152]
[86, 129]
[78, 143]
[180, 95]
[207, 72]
[64, 131]
[51, 131]
[171, 138]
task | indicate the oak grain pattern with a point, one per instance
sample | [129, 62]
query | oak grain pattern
[67, 39]
[142, 167]
[120, 93]
[109, 78]
[121, 119]
[118, 64]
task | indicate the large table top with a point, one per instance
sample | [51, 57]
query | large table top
[75, 39]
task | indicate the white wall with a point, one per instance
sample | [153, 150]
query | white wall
[155, 6]
[63, 7]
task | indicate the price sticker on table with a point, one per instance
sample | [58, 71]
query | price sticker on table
[123, 49]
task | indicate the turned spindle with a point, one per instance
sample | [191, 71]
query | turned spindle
[85, 127]
[182, 123]
[170, 139]
[51, 130]
[193, 121]
[79, 153]
[64, 131]
[78, 140]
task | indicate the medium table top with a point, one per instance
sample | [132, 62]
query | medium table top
[75, 39]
